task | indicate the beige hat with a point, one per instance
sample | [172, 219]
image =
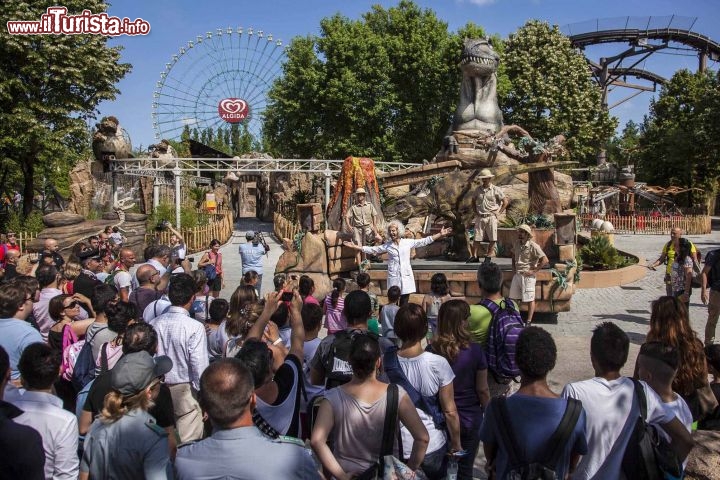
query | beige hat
[486, 173]
[525, 228]
[360, 190]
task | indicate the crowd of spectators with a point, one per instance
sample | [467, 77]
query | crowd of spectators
[114, 369]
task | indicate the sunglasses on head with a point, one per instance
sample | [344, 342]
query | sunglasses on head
[72, 304]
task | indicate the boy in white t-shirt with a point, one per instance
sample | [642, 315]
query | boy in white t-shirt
[657, 366]
[612, 409]
[312, 315]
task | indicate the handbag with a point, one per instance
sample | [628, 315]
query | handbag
[702, 403]
[387, 467]
[210, 270]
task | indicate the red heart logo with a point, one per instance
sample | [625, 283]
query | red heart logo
[233, 110]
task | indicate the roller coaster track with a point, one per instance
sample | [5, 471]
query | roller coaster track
[701, 43]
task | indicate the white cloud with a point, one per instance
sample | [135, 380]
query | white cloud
[481, 3]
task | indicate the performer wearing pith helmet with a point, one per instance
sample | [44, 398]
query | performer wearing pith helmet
[489, 202]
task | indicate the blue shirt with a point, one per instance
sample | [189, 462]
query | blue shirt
[15, 335]
[244, 453]
[251, 256]
[533, 420]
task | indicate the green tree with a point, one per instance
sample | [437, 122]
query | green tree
[551, 91]
[623, 148]
[680, 137]
[50, 85]
[384, 86]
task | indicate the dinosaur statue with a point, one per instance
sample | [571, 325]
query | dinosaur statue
[478, 108]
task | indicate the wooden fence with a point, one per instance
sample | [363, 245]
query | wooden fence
[283, 227]
[197, 239]
[654, 225]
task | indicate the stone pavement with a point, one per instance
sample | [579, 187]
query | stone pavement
[627, 305]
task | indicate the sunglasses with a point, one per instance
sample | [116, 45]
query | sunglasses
[72, 304]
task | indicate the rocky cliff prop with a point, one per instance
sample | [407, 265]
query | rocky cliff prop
[82, 189]
[71, 229]
[356, 173]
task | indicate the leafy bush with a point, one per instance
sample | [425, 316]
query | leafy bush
[17, 223]
[189, 217]
[600, 254]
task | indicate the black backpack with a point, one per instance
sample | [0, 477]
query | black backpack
[648, 456]
[337, 369]
[84, 368]
[713, 276]
[519, 468]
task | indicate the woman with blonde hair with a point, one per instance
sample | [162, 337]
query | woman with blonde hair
[124, 441]
[398, 249]
[670, 324]
[70, 271]
[467, 359]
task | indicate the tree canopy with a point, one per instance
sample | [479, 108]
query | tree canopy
[50, 86]
[680, 137]
[384, 86]
[551, 91]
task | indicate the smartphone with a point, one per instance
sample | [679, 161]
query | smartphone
[287, 296]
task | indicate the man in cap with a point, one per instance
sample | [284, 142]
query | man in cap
[92, 264]
[237, 448]
[252, 254]
[361, 221]
[528, 258]
[127, 441]
[489, 202]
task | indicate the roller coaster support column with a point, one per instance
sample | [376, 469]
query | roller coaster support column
[176, 173]
[156, 194]
[604, 75]
[328, 175]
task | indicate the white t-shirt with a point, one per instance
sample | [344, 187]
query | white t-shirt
[309, 350]
[123, 279]
[611, 414]
[427, 373]
[681, 410]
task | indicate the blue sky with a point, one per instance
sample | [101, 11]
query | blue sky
[175, 22]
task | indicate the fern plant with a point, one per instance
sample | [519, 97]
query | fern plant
[601, 254]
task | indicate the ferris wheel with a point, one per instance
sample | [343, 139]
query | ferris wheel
[217, 80]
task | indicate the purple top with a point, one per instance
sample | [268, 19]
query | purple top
[467, 363]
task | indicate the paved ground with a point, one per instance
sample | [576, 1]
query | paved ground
[628, 305]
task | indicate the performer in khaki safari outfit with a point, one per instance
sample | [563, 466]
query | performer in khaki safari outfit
[489, 202]
[361, 221]
[528, 258]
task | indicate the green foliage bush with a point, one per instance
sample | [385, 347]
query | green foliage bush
[600, 254]
[17, 223]
[189, 216]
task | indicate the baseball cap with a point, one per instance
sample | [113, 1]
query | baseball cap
[249, 234]
[135, 371]
[486, 173]
[360, 190]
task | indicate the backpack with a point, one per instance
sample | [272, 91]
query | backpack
[713, 276]
[521, 469]
[83, 367]
[337, 368]
[210, 269]
[648, 456]
[428, 404]
[110, 279]
[505, 328]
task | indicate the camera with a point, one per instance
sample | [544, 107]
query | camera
[259, 239]
[162, 225]
[190, 259]
[286, 296]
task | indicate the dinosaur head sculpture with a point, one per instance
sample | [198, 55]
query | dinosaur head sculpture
[478, 108]
[478, 58]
